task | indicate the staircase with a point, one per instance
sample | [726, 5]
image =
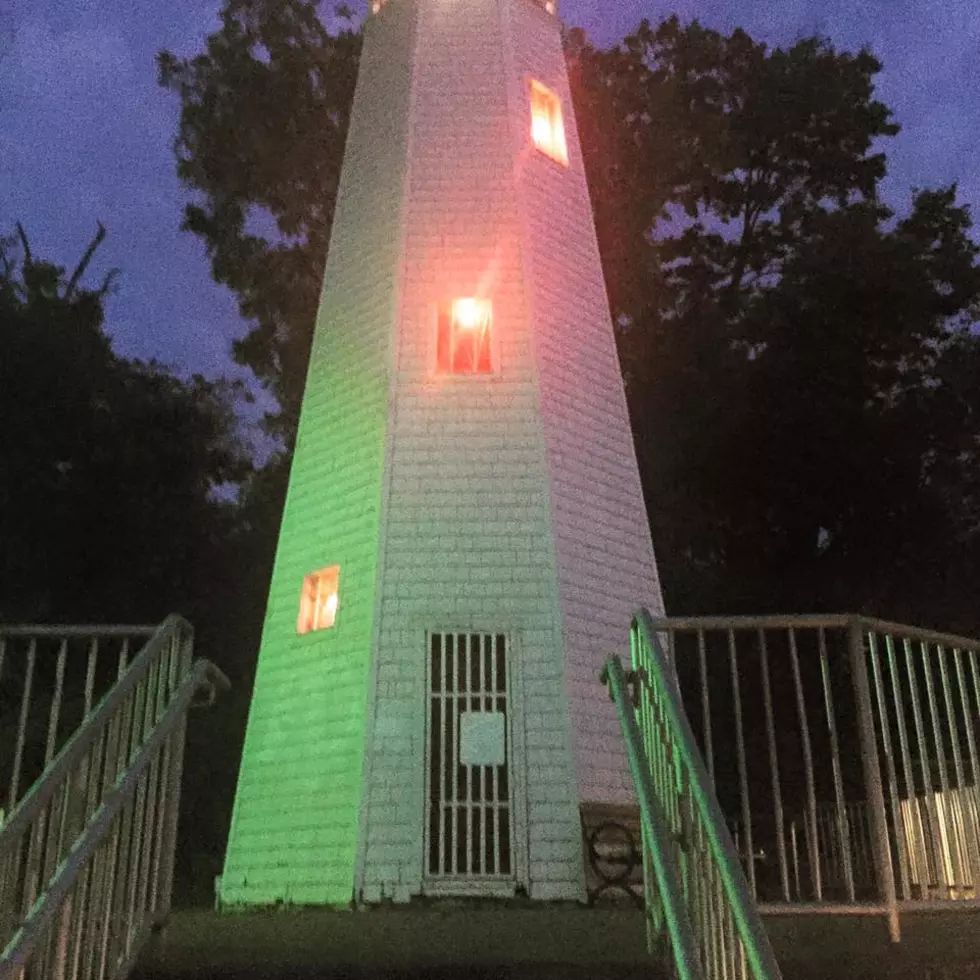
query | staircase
[94, 735]
[808, 808]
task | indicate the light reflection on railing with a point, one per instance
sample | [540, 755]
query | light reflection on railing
[699, 908]
[844, 752]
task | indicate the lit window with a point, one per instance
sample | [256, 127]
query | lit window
[547, 129]
[464, 337]
[319, 601]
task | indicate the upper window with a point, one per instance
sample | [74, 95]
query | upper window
[319, 600]
[463, 342]
[547, 128]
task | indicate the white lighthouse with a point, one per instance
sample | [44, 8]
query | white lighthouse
[464, 538]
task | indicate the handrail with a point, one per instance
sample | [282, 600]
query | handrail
[81, 742]
[25, 942]
[856, 777]
[802, 621]
[85, 632]
[51, 678]
[692, 834]
[679, 925]
[86, 857]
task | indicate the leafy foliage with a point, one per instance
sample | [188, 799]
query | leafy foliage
[109, 507]
[264, 114]
[800, 363]
[801, 369]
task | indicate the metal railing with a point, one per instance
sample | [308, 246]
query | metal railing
[699, 907]
[51, 677]
[86, 855]
[844, 753]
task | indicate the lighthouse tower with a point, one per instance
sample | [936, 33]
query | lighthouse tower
[464, 538]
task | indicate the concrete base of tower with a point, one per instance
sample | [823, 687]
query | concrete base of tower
[270, 891]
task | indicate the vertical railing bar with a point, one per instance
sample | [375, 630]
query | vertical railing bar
[93, 654]
[145, 865]
[470, 773]
[974, 798]
[795, 845]
[132, 870]
[971, 744]
[777, 793]
[488, 667]
[842, 827]
[32, 870]
[443, 738]
[968, 717]
[948, 702]
[742, 765]
[165, 690]
[105, 943]
[924, 765]
[155, 686]
[78, 920]
[911, 816]
[54, 716]
[96, 904]
[483, 640]
[62, 937]
[22, 724]
[160, 829]
[427, 835]
[929, 843]
[123, 657]
[652, 917]
[937, 733]
[809, 776]
[964, 865]
[888, 750]
[169, 840]
[458, 656]
[709, 746]
[885, 873]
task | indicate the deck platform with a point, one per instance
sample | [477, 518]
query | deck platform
[554, 942]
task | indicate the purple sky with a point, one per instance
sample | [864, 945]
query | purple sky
[85, 134]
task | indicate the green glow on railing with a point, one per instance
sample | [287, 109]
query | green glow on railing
[686, 761]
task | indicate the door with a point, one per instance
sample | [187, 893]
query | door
[469, 845]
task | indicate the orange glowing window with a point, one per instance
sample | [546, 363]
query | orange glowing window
[463, 342]
[319, 600]
[547, 128]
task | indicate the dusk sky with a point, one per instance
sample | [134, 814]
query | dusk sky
[86, 134]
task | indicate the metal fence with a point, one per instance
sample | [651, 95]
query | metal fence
[51, 678]
[697, 898]
[843, 751]
[86, 855]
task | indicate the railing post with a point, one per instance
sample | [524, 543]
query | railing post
[884, 870]
[173, 752]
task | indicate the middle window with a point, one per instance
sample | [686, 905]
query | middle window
[464, 338]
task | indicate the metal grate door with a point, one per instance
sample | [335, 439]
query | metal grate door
[469, 806]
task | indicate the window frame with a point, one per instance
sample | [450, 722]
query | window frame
[312, 606]
[486, 347]
[538, 92]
